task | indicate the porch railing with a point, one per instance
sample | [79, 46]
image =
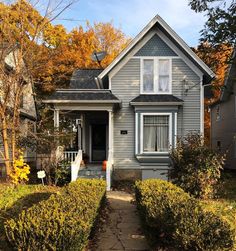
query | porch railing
[75, 165]
[70, 156]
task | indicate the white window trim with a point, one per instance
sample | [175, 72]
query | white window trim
[170, 131]
[156, 75]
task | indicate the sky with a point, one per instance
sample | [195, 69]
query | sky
[131, 16]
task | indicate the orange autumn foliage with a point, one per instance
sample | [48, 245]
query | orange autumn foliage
[217, 59]
[66, 52]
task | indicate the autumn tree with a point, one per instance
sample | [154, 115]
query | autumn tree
[217, 59]
[69, 51]
[22, 30]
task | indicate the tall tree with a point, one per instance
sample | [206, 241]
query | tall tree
[22, 30]
[68, 51]
[220, 27]
[217, 59]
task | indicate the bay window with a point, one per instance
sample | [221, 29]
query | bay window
[156, 76]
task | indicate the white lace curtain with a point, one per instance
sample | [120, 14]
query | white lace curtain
[164, 73]
[156, 133]
[148, 75]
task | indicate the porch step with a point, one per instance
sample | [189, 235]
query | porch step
[92, 174]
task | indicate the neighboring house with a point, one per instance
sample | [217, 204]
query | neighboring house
[132, 112]
[27, 113]
[223, 118]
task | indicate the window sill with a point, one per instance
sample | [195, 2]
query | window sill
[153, 157]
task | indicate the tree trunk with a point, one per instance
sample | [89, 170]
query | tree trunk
[6, 148]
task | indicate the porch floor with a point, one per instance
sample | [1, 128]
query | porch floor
[92, 171]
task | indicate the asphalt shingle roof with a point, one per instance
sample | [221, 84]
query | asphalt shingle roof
[81, 96]
[84, 79]
[156, 98]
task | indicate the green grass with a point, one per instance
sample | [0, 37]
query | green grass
[225, 204]
[13, 200]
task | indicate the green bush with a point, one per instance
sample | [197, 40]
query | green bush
[173, 218]
[196, 168]
[63, 222]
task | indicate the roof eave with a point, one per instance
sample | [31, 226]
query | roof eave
[155, 103]
[56, 101]
[158, 19]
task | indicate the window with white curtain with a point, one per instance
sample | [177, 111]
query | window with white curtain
[148, 75]
[156, 75]
[156, 133]
[164, 75]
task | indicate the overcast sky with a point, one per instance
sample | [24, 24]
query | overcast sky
[132, 15]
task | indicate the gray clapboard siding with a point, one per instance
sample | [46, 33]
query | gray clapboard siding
[126, 86]
[189, 114]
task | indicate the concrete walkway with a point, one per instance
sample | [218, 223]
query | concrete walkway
[122, 231]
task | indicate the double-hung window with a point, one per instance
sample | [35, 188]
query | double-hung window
[156, 76]
[156, 133]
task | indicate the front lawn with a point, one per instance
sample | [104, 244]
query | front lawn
[225, 204]
[35, 217]
[13, 200]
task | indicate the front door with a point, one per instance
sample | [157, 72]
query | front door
[98, 142]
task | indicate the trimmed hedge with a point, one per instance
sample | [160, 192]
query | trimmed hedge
[173, 218]
[63, 222]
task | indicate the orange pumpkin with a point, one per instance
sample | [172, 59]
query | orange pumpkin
[104, 165]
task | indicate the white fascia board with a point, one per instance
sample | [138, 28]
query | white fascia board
[129, 47]
[155, 103]
[169, 30]
[82, 101]
[181, 42]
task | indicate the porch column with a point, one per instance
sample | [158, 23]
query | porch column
[110, 136]
[110, 151]
[56, 118]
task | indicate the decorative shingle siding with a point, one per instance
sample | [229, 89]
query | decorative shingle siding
[155, 47]
[125, 86]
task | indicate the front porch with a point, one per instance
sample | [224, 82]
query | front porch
[91, 144]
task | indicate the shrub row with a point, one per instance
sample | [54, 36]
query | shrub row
[63, 222]
[173, 218]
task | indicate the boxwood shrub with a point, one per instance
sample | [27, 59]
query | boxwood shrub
[63, 222]
[171, 217]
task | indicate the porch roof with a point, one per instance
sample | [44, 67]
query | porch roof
[156, 99]
[85, 79]
[82, 96]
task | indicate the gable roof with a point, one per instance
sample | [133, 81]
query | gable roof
[179, 41]
[85, 79]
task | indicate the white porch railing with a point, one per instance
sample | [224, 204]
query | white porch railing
[109, 171]
[75, 165]
[70, 156]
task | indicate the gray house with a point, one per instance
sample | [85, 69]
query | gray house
[132, 112]
[223, 118]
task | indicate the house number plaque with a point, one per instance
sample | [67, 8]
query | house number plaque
[123, 132]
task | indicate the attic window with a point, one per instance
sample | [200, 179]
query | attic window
[156, 75]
